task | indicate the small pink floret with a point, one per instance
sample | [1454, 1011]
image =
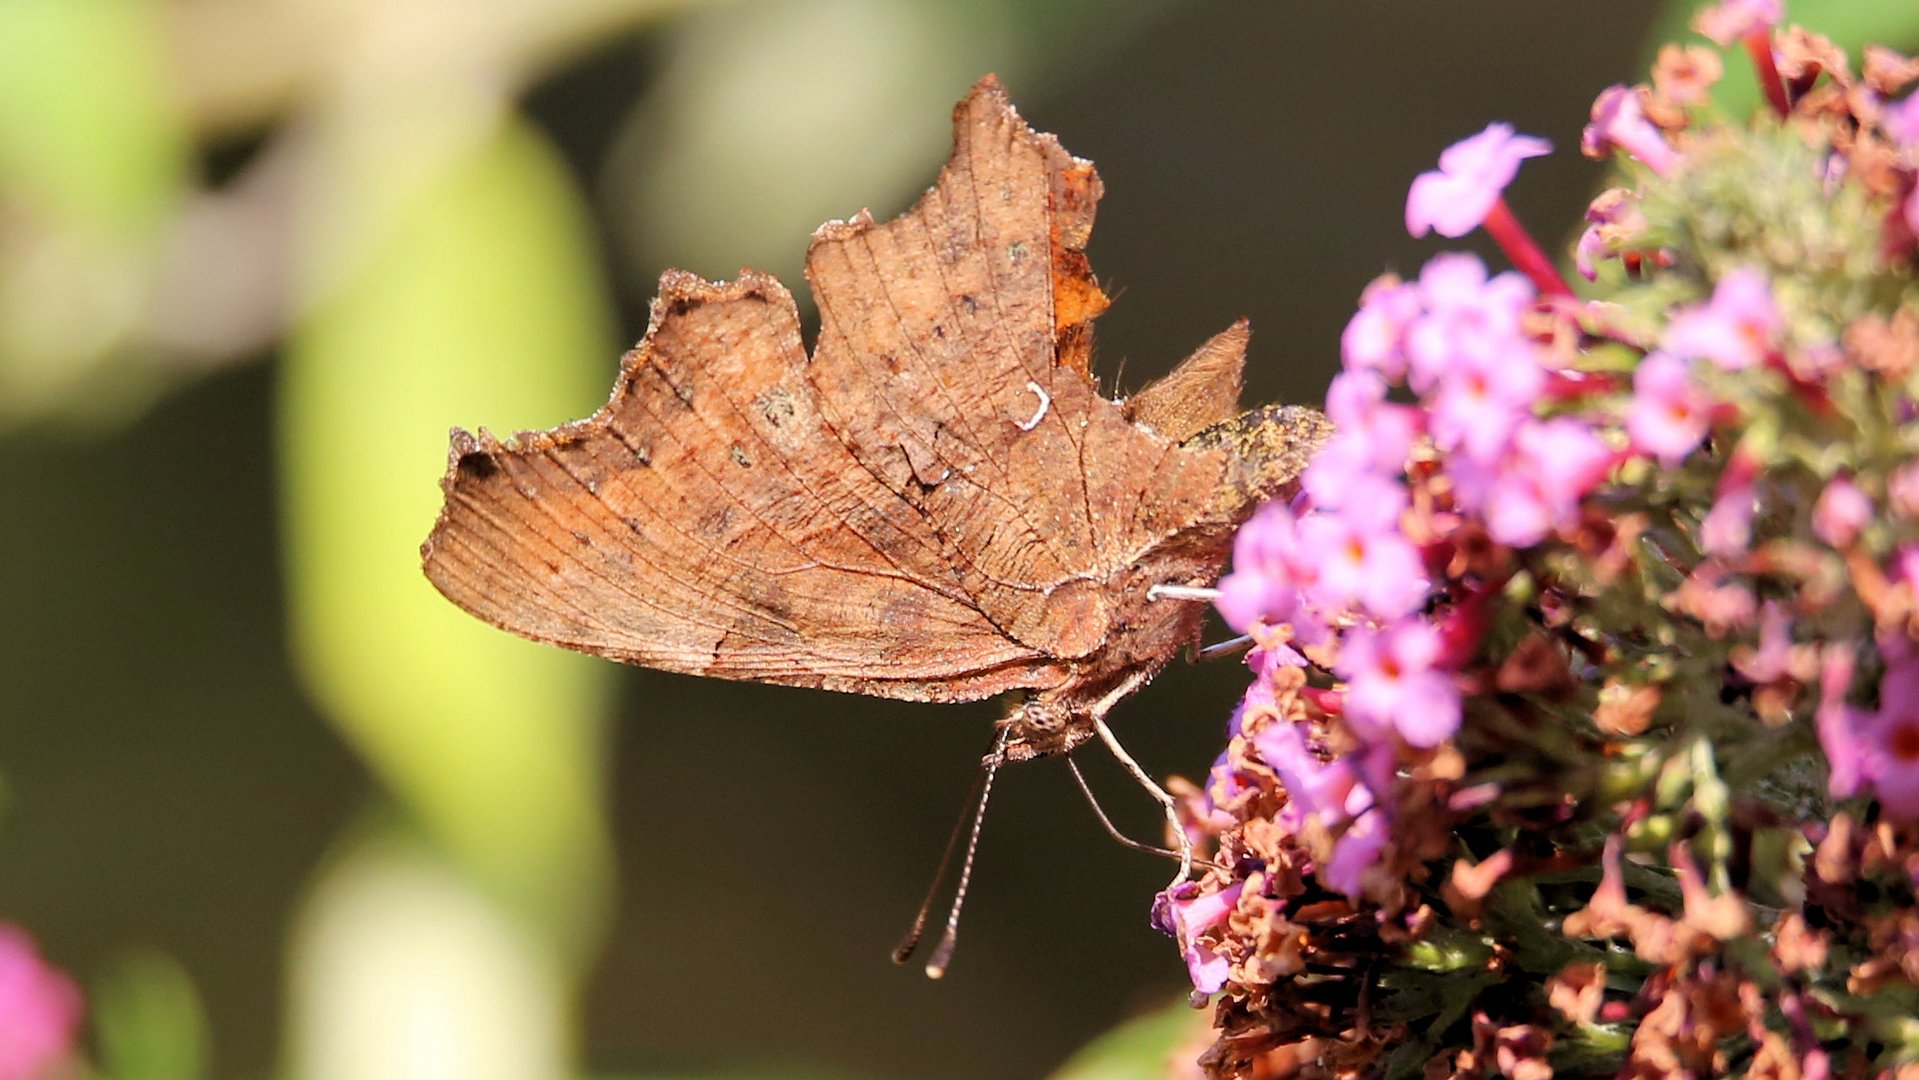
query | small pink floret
[1611, 214]
[1467, 315]
[1484, 395]
[1538, 488]
[1267, 571]
[1454, 199]
[1618, 121]
[1670, 413]
[1363, 559]
[1841, 512]
[1394, 685]
[1374, 339]
[1730, 20]
[1314, 788]
[1736, 329]
[1371, 438]
[1356, 851]
[1878, 750]
[1191, 918]
[1727, 528]
[1773, 659]
[1901, 122]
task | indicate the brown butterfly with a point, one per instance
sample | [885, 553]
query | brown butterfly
[936, 505]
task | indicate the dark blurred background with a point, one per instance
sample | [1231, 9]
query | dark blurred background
[286, 812]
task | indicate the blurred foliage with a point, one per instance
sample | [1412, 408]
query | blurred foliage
[492, 741]
[93, 159]
[403, 970]
[149, 1021]
[90, 132]
[1146, 1047]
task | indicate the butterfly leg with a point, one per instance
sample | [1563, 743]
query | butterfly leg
[1157, 792]
[1152, 787]
[1112, 830]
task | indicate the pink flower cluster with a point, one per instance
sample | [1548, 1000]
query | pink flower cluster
[1575, 579]
[1456, 339]
[1341, 568]
[1462, 422]
[1477, 437]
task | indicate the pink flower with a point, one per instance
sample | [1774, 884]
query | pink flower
[1773, 659]
[1187, 920]
[1670, 413]
[1730, 20]
[1901, 122]
[1902, 489]
[1619, 122]
[1880, 749]
[1356, 851]
[1727, 528]
[1553, 464]
[1614, 216]
[1314, 788]
[1483, 395]
[1906, 565]
[1392, 683]
[1371, 437]
[1837, 724]
[1363, 558]
[1339, 795]
[1373, 339]
[1895, 762]
[39, 1010]
[1842, 510]
[1455, 199]
[1268, 571]
[1466, 315]
[1738, 328]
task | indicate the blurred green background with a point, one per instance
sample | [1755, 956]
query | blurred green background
[287, 813]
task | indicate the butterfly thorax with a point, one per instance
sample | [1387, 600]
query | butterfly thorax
[1266, 449]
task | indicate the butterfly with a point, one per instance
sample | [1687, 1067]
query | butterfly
[935, 504]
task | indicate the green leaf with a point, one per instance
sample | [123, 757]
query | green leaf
[477, 302]
[149, 1021]
[90, 131]
[1143, 1048]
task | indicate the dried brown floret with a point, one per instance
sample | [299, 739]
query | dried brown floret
[1685, 74]
[1888, 71]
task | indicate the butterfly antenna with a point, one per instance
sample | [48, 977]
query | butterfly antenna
[976, 798]
[911, 942]
[942, 957]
